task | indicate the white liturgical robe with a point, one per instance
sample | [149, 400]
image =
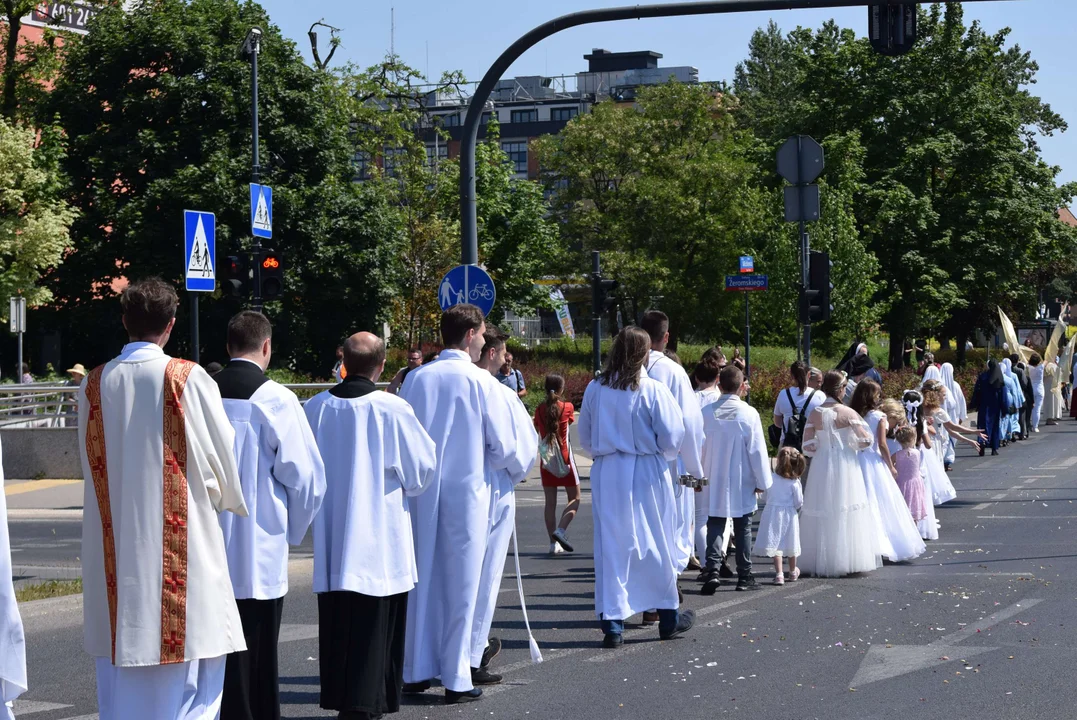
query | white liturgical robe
[470, 421]
[631, 435]
[502, 521]
[376, 455]
[12, 641]
[283, 482]
[157, 458]
[735, 457]
[669, 372]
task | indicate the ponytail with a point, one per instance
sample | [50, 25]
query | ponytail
[555, 388]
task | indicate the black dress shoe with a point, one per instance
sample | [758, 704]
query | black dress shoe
[994, 452]
[493, 647]
[415, 688]
[452, 697]
[685, 621]
[482, 676]
[748, 583]
[711, 584]
[725, 573]
[702, 577]
[613, 640]
[982, 448]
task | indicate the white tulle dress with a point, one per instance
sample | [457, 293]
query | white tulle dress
[899, 537]
[936, 481]
[837, 528]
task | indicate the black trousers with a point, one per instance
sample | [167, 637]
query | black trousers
[361, 651]
[251, 678]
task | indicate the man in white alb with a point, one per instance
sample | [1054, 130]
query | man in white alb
[470, 421]
[670, 373]
[502, 515]
[157, 458]
[12, 641]
[376, 456]
[283, 482]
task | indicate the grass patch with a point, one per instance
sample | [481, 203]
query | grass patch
[50, 589]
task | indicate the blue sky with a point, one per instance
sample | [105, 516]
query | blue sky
[468, 35]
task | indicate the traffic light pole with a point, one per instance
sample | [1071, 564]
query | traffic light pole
[805, 269]
[596, 317]
[253, 45]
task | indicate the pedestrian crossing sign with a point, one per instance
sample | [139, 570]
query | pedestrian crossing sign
[200, 243]
[261, 211]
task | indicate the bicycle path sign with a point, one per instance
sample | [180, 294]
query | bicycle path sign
[467, 284]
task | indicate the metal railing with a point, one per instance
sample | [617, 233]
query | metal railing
[45, 405]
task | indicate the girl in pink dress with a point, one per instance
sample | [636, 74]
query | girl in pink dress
[909, 478]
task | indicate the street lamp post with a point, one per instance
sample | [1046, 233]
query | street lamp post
[252, 46]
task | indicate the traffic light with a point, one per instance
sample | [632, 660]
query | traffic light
[815, 304]
[272, 274]
[892, 28]
[235, 276]
[601, 289]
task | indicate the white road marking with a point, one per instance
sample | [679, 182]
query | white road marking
[294, 633]
[885, 663]
[29, 707]
[83, 717]
[1000, 496]
[1026, 517]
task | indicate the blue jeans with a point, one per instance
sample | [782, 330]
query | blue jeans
[667, 622]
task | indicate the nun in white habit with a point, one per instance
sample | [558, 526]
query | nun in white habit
[376, 455]
[470, 421]
[632, 426]
[12, 641]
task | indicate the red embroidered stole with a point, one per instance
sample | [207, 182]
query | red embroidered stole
[174, 590]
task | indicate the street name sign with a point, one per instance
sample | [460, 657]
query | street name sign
[747, 283]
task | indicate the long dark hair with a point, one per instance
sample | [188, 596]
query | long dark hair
[627, 358]
[866, 397]
[914, 411]
[833, 384]
[555, 387]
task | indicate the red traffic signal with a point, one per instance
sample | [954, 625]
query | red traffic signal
[272, 274]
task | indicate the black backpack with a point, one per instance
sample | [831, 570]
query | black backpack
[794, 433]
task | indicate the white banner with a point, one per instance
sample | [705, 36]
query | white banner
[563, 315]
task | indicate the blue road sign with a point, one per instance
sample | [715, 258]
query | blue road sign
[746, 282]
[200, 250]
[262, 211]
[747, 264]
[467, 284]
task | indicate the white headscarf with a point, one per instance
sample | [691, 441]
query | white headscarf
[931, 373]
[955, 398]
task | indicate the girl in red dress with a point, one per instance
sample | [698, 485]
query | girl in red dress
[555, 415]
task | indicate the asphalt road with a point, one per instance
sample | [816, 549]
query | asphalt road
[980, 627]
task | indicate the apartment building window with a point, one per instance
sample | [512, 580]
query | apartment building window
[361, 163]
[563, 114]
[389, 160]
[450, 120]
[442, 154]
[525, 116]
[486, 117]
[517, 152]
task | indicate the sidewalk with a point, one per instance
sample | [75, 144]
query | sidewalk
[44, 499]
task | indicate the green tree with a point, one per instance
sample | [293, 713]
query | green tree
[155, 104]
[34, 221]
[667, 192]
[954, 199]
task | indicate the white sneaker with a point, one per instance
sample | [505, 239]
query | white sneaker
[561, 539]
[555, 548]
[1035, 429]
[779, 579]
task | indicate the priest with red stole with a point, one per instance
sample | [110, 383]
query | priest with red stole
[156, 446]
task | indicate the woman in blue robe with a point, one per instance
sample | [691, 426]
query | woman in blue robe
[989, 397]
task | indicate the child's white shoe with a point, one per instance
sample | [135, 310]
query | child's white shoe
[793, 576]
[555, 548]
[779, 579]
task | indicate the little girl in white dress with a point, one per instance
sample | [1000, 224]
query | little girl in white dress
[779, 528]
